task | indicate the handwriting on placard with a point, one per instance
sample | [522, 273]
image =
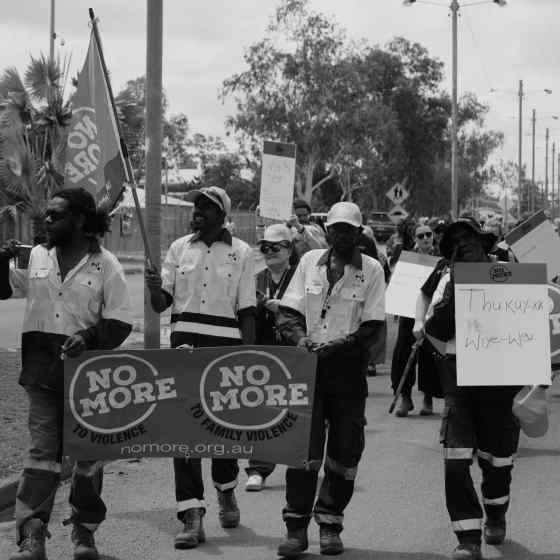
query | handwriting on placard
[478, 300]
[481, 342]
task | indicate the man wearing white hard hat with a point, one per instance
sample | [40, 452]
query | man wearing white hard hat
[208, 279]
[334, 306]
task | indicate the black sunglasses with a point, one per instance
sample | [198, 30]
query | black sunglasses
[428, 234]
[273, 247]
[54, 216]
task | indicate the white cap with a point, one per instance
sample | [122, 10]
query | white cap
[276, 233]
[216, 194]
[346, 212]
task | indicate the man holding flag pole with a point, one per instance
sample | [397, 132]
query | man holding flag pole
[67, 278]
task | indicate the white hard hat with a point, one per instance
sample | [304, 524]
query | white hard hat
[346, 212]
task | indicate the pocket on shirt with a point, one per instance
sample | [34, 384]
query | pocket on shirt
[229, 275]
[38, 274]
[88, 290]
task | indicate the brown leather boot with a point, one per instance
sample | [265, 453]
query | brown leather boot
[84, 543]
[32, 544]
[295, 543]
[193, 530]
[330, 543]
[229, 512]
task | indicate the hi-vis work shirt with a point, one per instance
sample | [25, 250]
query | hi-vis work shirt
[210, 285]
[332, 313]
[94, 290]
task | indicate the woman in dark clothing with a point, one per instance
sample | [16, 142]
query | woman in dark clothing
[277, 248]
[427, 379]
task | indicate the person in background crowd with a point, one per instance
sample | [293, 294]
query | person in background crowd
[208, 279]
[500, 250]
[277, 247]
[438, 226]
[367, 245]
[403, 240]
[307, 235]
[476, 419]
[334, 306]
[77, 299]
[427, 377]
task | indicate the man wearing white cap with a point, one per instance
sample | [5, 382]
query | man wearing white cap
[334, 306]
[209, 280]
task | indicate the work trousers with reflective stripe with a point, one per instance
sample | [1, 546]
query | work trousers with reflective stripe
[477, 420]
[189, 486]
[41, 474]
[343, 418]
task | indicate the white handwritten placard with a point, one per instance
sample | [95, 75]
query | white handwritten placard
[502, 324]
[277, 180]
[411, 271]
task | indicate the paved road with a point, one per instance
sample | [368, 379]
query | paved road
[397, 511]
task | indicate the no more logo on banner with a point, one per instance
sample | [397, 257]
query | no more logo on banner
[235, 402]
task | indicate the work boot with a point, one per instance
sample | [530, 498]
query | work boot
[193, 530]
[32, 545]
[405, 407]
[229, 512]
[84, 543]
[255, 483]
[329, 539]
[294, 544]
[427, 406]
[495, 530]
[467, 551]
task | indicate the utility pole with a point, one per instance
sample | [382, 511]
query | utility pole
[546, 172]
[519, 154]
[52, 34]
[154, 134]
[454, 194]
[552, 176]
[532, 194]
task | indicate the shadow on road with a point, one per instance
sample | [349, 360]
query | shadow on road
[515, 551]
[165, 521]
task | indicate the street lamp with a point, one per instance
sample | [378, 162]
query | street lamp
[454, 8]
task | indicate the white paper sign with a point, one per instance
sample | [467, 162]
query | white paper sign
[535, 241]
[410, 273]
[501, 319]
[277, 180]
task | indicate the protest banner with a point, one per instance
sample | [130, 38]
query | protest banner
[277, 180]
[501, 319]
[229, 402]
[535, 241]
[410, 273]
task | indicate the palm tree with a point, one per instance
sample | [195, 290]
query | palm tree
[33, 120]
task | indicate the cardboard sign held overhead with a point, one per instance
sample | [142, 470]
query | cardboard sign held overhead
[502, 324]
[535, 241]
[277, 180]
[411, 271]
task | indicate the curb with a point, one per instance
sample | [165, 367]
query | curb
[8, 486]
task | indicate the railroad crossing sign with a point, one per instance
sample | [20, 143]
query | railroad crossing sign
[397, 214]
[397, 194]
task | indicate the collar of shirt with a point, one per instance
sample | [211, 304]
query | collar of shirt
[95, 265]
[355, 261]
[224, 236]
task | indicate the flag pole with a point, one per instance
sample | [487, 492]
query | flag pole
[124, 150]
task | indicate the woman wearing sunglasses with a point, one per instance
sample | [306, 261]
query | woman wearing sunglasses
[277, 249]
[427, 379]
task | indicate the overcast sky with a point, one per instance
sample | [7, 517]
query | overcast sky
[204, 42]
